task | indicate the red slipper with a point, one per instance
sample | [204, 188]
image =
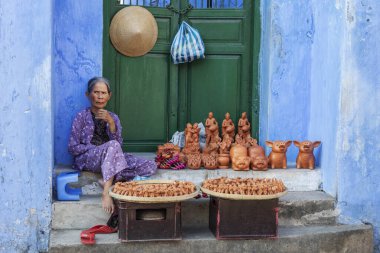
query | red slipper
[88, 236]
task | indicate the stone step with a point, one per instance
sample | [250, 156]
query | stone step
[311, 239]
[296, 208]
[294, 179]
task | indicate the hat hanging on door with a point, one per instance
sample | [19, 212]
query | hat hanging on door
[133, 31]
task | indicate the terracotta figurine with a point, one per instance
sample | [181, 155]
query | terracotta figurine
[191, 139]
[257, 155]
[243, 136]
[224, 152]
[305, 157]
[228, 126]
[239, 157]
[189, 133]
[195, 133]
[211, 128]
[168, 148]
[212, 135]
[277, 158]
[210, 161]
[194, 161]
[224, 161]
[255, 149]
[259, 163]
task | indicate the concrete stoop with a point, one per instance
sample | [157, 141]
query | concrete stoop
[307, 219]
[296, 208]
[310, 239]
[294, 179]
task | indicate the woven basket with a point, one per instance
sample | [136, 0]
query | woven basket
[242, 197]
[153, 199]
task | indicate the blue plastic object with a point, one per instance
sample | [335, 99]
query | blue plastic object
[64, 192]
[140, 178]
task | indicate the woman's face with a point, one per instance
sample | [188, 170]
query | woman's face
[99, 95]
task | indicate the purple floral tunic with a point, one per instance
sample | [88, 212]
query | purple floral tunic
[107, 158]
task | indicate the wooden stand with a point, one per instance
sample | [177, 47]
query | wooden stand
[135, 225]
[243, 219]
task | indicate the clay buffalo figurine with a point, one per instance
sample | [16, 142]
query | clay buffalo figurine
[277, 158]
[305, 158]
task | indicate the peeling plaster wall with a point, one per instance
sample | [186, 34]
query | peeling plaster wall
[77, 56]
[339, 97]
[327, 55]
[26, 137]
[358, 135]
[319, 81]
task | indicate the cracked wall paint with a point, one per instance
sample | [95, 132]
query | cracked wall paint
[358, 136]
[307, 85]
[77, 52]
[326, 63]
[26, 139]
[342, 79]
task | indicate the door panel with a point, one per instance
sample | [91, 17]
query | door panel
[221, 82]
[214, 85]
[223, 30]
[143, 100]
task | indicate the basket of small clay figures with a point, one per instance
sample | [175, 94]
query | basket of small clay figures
[168, 157]
[244, 188]
[154, 191]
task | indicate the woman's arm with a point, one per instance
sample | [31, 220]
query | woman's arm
[75, 146]
[116, 135]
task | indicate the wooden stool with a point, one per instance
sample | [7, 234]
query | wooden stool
[149, 222]
[243, 219]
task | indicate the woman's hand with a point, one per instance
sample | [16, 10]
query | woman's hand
[104, 115]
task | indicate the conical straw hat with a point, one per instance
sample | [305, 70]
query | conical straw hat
[133, 31]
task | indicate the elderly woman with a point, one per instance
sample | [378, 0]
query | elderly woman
[95, 142]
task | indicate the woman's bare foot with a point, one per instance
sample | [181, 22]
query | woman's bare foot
[107, 203]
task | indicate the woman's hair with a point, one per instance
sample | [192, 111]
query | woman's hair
[95, 80]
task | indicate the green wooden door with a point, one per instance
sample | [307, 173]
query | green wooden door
[221, 82]
[154, 98]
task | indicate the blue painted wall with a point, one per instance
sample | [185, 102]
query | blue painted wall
[287, 37]
[358, 135]
[318, 81]
[325, 85]
[338, 69]
[26, 137]
[77, 56]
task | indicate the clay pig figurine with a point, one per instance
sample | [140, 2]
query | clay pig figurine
[305, 157]
[239, 157]
[241, 163]
[277, 158]
[257, 154]
[259, 163]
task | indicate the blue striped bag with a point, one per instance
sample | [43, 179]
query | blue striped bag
[187, 45]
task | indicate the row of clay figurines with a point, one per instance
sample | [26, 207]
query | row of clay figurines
[241, 149]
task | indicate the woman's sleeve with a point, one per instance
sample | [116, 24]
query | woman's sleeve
[75, 146]
[117, 134]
